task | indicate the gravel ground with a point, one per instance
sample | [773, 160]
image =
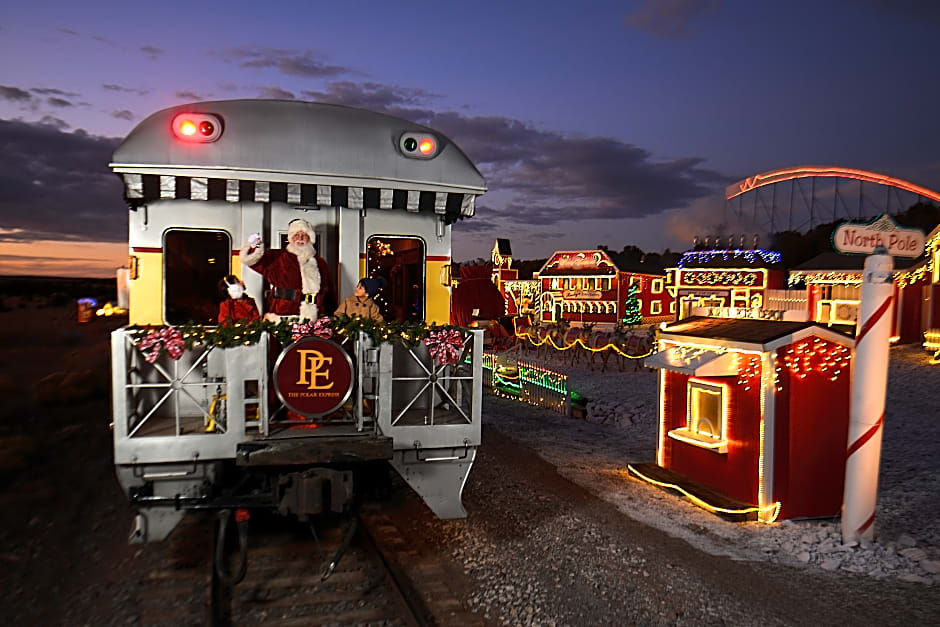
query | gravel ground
[623, 416]
[558, 534]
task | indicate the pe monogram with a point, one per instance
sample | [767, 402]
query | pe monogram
[314, 366]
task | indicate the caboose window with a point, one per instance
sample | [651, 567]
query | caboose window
[193, 263]
[400, 261]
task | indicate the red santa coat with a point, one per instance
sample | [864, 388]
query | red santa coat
[242, 310]
[282, 269]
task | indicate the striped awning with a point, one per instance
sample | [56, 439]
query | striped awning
[143, 188]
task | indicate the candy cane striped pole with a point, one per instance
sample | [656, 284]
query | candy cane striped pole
[869, 386]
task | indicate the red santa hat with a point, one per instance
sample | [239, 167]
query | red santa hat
[299, 224]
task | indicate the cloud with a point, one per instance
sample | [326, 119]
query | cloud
[57, 123]
[548, 176]
[52, 91]
[125, 90]
[67, 31]
[57, 185]
[60, 103]
[391, 99]
[123, 114]
[15, 94]
[671, 19]
[275, 93]
[152, 51]
[189, 95]
[291, 62]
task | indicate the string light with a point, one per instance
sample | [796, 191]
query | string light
[931, 247]
[818, 356]
[699, 257]
[725, 277]
[530, 335]
[932, 342]
[766, 514]
[528, 383]
[829, 278]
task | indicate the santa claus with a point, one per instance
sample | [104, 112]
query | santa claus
[299, 279]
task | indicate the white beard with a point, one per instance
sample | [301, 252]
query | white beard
[309, 276]
[304, 253]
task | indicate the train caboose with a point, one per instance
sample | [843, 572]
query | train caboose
[207, 427]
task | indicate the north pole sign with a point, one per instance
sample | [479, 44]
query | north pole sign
[864, 238]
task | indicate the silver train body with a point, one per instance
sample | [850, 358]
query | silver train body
[376, 207]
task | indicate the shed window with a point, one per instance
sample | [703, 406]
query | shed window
[706, 417]
[194, 261]
[705, 410]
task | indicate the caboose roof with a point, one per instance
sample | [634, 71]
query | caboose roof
[276, 142]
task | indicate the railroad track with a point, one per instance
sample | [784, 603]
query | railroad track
[379, 579]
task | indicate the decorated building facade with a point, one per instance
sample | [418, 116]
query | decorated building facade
[724, 279]
[833, 281]
[591, 287]
[833, 284]
[501, 258]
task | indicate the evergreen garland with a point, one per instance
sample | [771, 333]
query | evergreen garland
[247, 333]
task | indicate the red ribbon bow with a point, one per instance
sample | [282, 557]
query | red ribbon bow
[317, 327]
[168, 339]
[445, 346]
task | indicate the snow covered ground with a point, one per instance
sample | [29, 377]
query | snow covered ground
[621, 428]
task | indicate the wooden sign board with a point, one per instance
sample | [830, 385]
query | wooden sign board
[853, 238]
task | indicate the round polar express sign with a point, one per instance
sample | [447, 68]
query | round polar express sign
[313, 376]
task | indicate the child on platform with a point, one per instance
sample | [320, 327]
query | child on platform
[360, 304]
[236, 306]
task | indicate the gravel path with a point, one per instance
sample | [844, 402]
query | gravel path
[621, 429]
[558, 534]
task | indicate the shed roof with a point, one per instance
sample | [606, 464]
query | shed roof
[748, 333]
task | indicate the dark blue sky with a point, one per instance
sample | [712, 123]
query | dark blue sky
[611, 123]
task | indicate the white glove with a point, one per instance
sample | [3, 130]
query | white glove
[255, 240]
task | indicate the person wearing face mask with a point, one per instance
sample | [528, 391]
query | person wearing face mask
[236, 306]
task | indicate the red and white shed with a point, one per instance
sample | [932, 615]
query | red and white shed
[757, 410]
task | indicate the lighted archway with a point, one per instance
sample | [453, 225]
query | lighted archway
[810, 171]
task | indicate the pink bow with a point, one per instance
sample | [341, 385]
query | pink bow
[317, 327]
[445, 346]
[169, 339]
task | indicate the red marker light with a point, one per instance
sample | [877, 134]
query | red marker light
[418, 145]
[198, 128]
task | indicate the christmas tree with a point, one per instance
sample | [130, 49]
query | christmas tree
[631, 309]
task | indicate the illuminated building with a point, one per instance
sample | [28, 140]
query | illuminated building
[834, 287]
[757, 410]
[593, 286]
[727, 281]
